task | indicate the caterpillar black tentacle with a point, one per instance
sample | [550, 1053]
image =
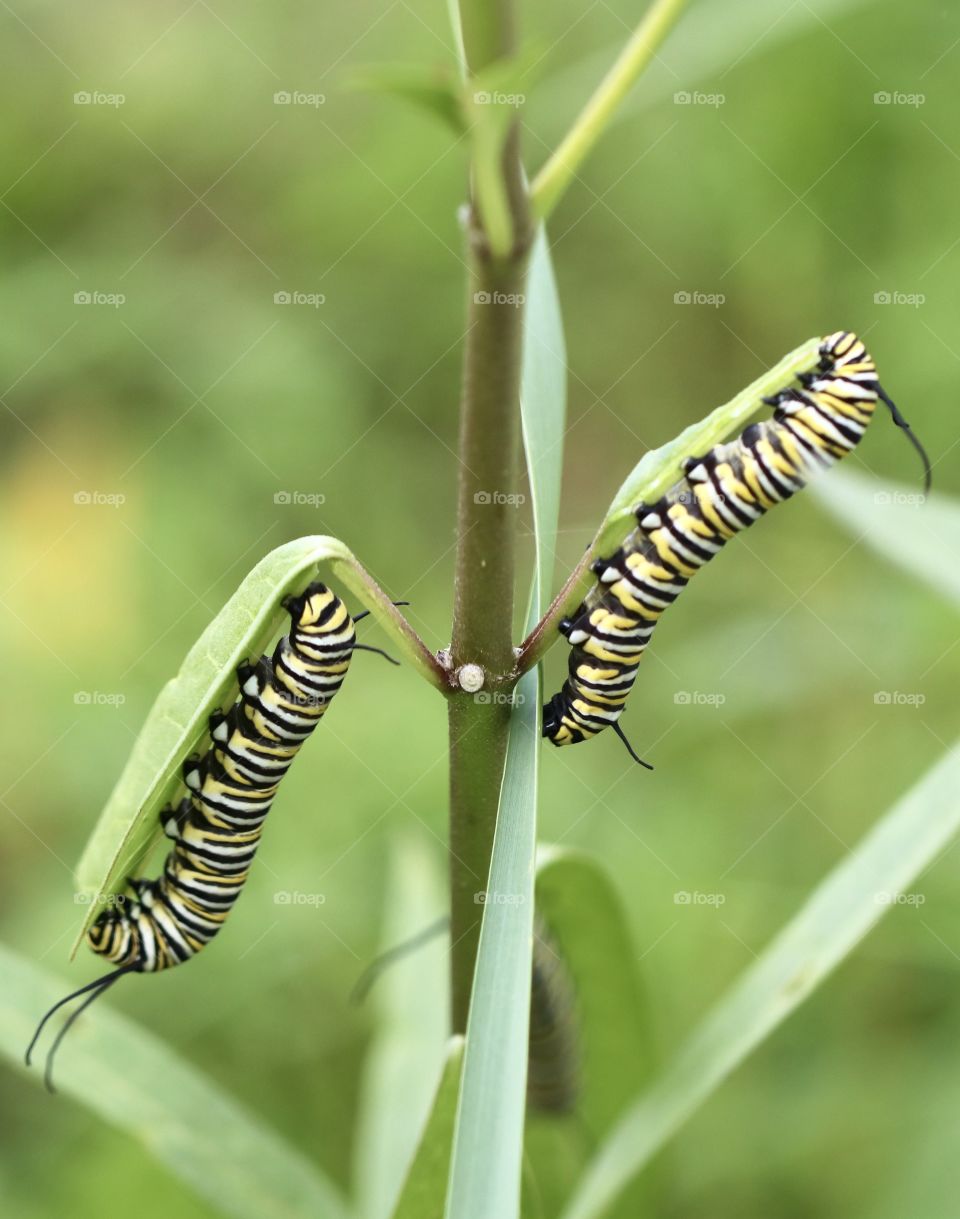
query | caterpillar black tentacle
[815, 423]
[215, 829]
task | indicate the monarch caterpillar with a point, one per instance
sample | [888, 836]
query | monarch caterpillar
[553, 1060]
[215, 829]
[553, 1043]
[814, 424]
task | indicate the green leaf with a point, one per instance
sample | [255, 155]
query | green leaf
[841, 911]
[587, 923]
[659, 469]
[127, 1077]
[426, 1185]
[488, 1142]
[407, 1055]
[917, 533]
[434, 89]
[543, 406]
[128, 827]
[653, 475]
[712, 40]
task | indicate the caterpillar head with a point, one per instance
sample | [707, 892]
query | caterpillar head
[306, 608]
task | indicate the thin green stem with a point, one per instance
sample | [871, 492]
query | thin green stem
[489, 452]
[560, 170]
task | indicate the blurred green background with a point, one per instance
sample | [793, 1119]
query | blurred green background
[184, 415]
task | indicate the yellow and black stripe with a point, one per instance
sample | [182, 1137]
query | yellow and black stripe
[815, 423]
[216, 827]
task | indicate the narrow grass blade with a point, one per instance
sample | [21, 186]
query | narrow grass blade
[587, 926]
[425, 1188]
[409, 1047]
[543, 402]
[487, 1149]
[919, 534]
[202, 1135]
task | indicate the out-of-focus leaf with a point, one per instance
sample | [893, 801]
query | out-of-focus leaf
[711, 39]
[127, 1077]
[425, 1188]
[920, 534]
[659, 469]
[407, 1054]
[543, 405]
[128, 827]
[837, 916]
[587, 926]
[435, 90]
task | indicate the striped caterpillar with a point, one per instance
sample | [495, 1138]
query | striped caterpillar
[215, 830]
[815, 423]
